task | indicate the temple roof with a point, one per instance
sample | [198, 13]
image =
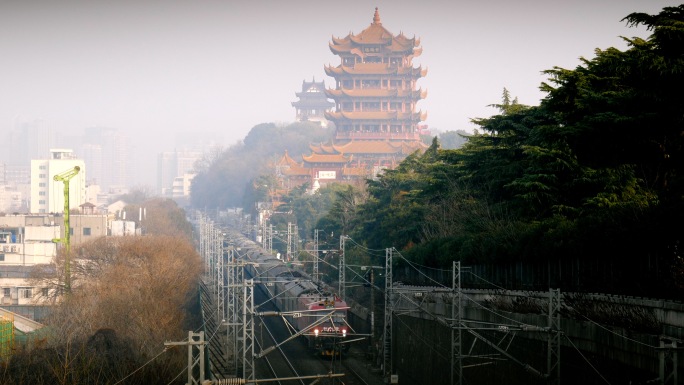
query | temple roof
[409, 147]
[374, 115]
[323, 148]
[286, 160]
[296, 171]
[360, 147]
[313, 103]
[375, 69]
[374, 35]
[288, 166]
[313, 95]
[312, 87]
[326, 158]
[367, 147]
[376, 93]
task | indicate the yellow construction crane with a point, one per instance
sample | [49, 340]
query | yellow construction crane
[65, 177]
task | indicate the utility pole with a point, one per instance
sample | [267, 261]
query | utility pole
[456, 317]
[295, 240]
[248, 331]
[372, 301]
[195, 341]
[220, 281]
[554, 347]
[668, 352]
[342, 283]
[387, 333]
[315, 261]
[288, 254]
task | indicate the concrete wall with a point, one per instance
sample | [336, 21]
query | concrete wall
[422, 345]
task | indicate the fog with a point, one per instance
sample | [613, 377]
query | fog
[154, 69]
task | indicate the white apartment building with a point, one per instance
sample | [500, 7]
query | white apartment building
[47, 195]
[172, 165]
[182, 185]
[26, 244]
[10, 199]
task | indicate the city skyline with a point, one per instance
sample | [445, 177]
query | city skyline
[153, 70]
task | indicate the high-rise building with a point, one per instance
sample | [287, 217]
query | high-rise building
[107, 151]
[92, 156]
[174, 164]
[30, 139]
[47, 195]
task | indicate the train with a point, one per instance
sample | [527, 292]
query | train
[309, 308]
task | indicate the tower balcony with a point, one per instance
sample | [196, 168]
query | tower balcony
[350, 135]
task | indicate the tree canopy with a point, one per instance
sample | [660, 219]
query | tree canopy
[595, 172]
[227, 180]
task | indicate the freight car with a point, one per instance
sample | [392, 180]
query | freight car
[309, 308]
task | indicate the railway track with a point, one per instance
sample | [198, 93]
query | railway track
[289, 364]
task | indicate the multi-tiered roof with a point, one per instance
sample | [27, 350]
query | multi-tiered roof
[312, 103]
[375, 85]
[376, 120]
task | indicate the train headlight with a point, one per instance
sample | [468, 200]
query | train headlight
[344, 332]
[316, 332]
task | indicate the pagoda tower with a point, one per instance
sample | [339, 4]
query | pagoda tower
[376, 122]
[312, 103]
[375, 90]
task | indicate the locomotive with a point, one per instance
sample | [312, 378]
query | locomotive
[309, 308]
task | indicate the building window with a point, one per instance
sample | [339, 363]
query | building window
[42, 167]
[25, 292]
[2, 257]
[44, 291]
[86, 231]
[41, 193]
[42, 184]
[71, 231]
[6, 292]
[41, 202]
[42, 176]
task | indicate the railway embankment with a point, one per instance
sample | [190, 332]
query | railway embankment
[603, 336]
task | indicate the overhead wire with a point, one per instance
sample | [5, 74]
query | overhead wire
[421, 339]
[492, 311]
[439, 284]
[491, 283]
[617, 334]
[145, 364]
[364, 247]
[178, 375]
[585, 359]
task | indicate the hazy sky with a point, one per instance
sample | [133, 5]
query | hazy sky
[155, 68]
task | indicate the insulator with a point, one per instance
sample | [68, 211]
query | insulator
[227, 381]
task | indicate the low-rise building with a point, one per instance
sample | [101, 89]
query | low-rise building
[27, 246]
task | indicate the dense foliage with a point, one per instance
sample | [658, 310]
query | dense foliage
[129, 296]
[594, 173]
[227, 180]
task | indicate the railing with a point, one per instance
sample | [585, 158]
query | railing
[379, 135]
